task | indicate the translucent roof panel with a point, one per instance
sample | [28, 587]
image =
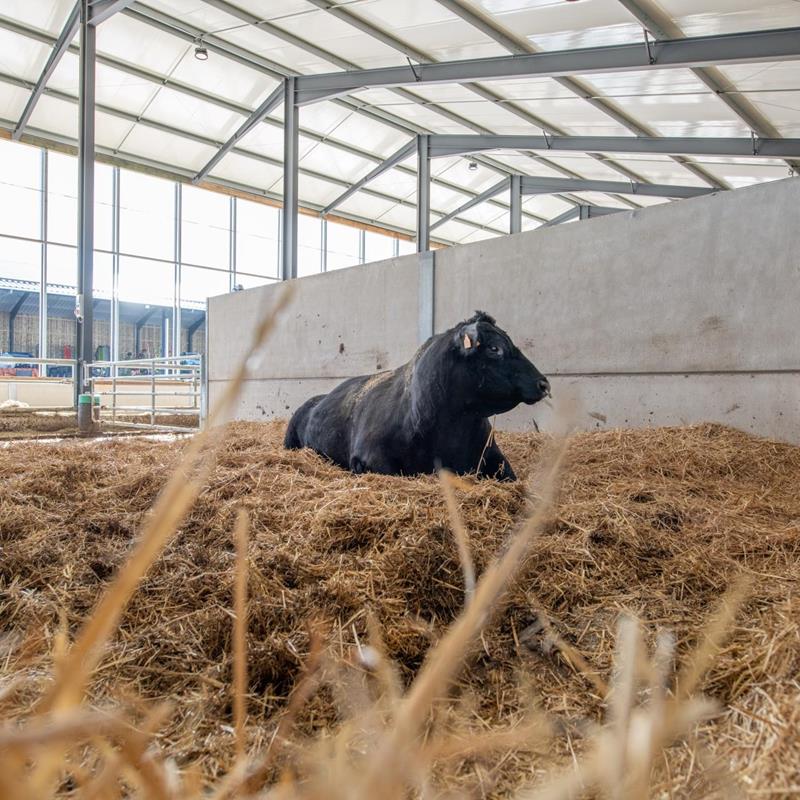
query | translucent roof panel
[20, 56]
[551, 24]
[137, 43]
[705, 17]
[335, 36]
[12, 101]
[49, 16]
[334, 162]
[248, 172]
[430, 27]
[159, 105]
[226, 78]
[187, 113]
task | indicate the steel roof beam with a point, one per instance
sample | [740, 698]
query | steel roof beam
[582, 212]
[402, 154]
[101, 10]
[160, 126]
[163, 80]
[164, 22]
[352, 19]
[661, 26]
[272, 101]
[566, 216]
[485, 195]
[455, 144]
[533, 186]
[731, 48]
[391, 41]
[518, 45]
[59, 48]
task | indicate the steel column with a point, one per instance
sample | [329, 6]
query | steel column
[84, 310]
[423, 192]
[427, 281]
[323, 244]
[115, 215]
[43, 348]
[232, 243]
[176, 274]
[362, 246]
[291, 144]
[515, 208]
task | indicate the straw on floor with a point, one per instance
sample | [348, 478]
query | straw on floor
[655, 522]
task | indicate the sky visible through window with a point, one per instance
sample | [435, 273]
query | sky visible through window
[223, 242]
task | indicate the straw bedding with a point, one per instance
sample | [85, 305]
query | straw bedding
[657, 522]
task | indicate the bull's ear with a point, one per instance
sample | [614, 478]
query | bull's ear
[468, 339]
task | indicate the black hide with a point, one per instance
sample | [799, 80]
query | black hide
[432, 412]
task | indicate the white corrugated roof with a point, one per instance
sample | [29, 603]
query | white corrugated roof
[160, 105]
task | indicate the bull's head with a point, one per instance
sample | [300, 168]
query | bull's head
[492, 374]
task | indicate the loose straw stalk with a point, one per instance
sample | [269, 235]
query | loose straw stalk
[240, 634]
[170, 509]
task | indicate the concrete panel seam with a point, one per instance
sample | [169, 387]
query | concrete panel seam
[427, 269]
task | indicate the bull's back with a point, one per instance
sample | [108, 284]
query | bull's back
[327, 426]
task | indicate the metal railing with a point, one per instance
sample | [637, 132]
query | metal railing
[170, 385]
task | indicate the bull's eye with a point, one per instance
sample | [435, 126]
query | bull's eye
[494, 348]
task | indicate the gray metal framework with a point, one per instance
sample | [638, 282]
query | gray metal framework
[291, 163]
[531, 186]
[486, 194]
[92, 13]
[423, 193]
[350, 17]
[731, 48]
[273, 100]
[582, 212]
[84, 312]
[392, 161]
[670, 50]
[43, 256]
[176, 275]
[115, 212]
[59, 48]
[527, 185]
[444, 144]
[662, 27]
[221, 47]
[518, 45]
[158, 79]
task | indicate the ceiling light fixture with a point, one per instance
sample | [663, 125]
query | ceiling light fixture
[472, 166]
[201, 52]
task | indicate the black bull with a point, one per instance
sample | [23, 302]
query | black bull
[430, 413]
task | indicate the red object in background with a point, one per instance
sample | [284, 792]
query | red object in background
[67, 351]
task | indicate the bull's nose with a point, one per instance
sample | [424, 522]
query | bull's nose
[544, 387]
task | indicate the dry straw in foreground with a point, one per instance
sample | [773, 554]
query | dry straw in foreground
[651, 524]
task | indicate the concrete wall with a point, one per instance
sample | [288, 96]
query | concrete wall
[675, 314]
